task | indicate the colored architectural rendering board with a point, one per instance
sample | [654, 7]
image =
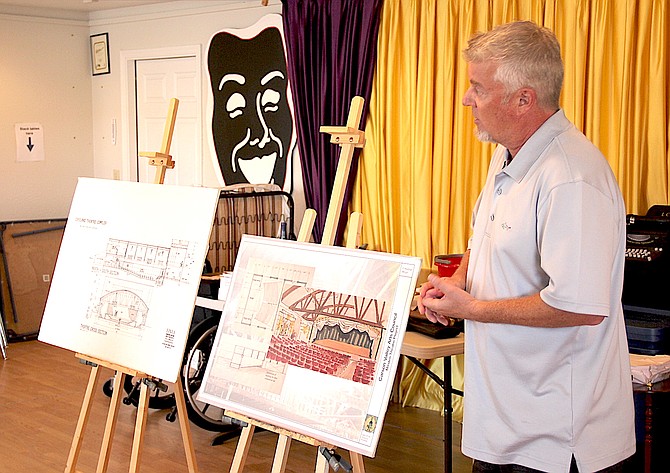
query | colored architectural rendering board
[128, 272]
[310, 337]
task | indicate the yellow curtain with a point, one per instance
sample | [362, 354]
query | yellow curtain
[422, 168]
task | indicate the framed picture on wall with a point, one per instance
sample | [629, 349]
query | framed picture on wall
[100, 54]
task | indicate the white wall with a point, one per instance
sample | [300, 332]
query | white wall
[45, 76]
[162, 26]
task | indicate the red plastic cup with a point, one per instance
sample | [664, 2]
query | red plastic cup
[447, 264]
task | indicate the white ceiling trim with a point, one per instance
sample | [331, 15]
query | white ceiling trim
[171, 10]
[62, 19]
[104, 15]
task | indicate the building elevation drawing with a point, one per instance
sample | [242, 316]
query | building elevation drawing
[126, 277]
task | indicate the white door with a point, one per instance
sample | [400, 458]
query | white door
[157, 81]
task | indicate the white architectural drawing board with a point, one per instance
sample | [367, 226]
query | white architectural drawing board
[310, 337]
[127, 273]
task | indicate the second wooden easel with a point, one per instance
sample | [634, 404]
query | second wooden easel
[162, 160]
[348, 137]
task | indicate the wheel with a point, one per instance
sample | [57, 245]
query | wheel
[196, 355]
[131, 385]
[108, 387]
[157, 400]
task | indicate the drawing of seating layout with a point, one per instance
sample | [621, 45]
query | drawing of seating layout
[309, 339]
[328, 332]
[307, 355]
[287, 323]
[126, 278]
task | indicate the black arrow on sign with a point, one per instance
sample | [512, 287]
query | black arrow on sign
[30, 143]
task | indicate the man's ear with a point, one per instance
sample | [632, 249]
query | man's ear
[526, 99]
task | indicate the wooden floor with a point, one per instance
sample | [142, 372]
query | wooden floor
[41, 392]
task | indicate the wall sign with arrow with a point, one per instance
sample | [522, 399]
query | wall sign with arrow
[29, 142]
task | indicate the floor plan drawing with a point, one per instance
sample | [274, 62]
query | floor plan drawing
[127, 273]
[309, 338]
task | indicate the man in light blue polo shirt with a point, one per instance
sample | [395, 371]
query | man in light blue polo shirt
[547, 375]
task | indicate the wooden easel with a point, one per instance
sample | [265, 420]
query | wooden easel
[163, 160]
[348, 137]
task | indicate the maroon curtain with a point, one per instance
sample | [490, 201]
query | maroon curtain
[332, 51]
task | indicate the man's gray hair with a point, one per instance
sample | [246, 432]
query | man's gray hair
[527, 55]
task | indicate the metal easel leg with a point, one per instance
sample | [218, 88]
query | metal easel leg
[448, 415]
[3, 332]
[3, 336]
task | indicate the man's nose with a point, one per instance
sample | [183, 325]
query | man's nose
[468, 100]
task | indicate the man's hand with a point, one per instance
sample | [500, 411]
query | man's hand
[441, 298]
